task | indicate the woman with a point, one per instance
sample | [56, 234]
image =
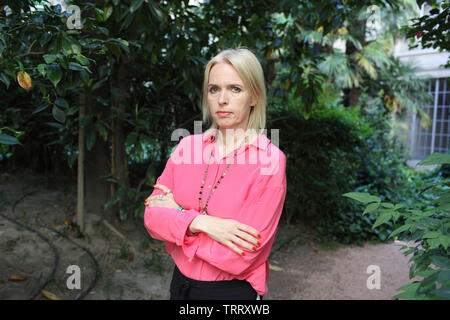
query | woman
[218, 216]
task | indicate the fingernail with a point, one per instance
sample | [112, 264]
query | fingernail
[243, 253]
[154, 185]
[254, 248]
[259, 236]
[258, 243]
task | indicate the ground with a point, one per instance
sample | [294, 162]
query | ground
[133, 266]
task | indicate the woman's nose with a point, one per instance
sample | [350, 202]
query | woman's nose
[223, 99]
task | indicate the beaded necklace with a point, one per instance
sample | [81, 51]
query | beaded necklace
[204, 209]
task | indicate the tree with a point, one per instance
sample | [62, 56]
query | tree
[431, 30]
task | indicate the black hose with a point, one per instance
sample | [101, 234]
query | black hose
[55, 251]
[49, 242]
[97, 271]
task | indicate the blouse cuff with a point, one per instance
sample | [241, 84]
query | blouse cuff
[189, 243]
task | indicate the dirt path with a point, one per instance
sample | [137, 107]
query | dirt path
[139, 267]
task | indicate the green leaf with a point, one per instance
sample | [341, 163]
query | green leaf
[135, 5]
[443, 276]
[102, 130]
[90, 139]
[58, 114]
[107, 12]
[384, 217]
[75, 66]
[410, 292]
[443, 292]
[445, 241]
[435, 158]
[371, 208]
[431, 235]
[49, 58]
[387, 205]
[362, 197]
[6, 139]
[400, 230]
[41, 68]
[441, 261]
[82, 59]
[60, 102]
[5, 80]
[131, 139]
[54, 74]
[156, 12]
[114, 48]
[40, 108]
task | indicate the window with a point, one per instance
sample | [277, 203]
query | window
[435, 138]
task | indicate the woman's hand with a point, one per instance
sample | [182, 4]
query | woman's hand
[228, 232]
[167, 200]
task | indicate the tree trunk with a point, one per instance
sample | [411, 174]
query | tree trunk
[352, 95]
[119, 157]
[80, 180]
[97, 164]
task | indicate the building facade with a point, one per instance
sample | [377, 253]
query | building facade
[423, 141]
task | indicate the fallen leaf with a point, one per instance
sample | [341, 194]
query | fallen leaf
[314, 252]
[55, 224]
[24, 80]
[50, 295]
[16, 277]
[131, 257]
[275, 268]
[67, 222]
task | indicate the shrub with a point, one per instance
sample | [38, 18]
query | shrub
[335, 148]
[428, 226]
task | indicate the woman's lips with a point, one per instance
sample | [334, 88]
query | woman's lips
[223, 114]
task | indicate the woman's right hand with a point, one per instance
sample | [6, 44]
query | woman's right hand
[229, 232]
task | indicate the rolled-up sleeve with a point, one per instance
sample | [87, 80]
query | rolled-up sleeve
[167, 224]
[262, 212]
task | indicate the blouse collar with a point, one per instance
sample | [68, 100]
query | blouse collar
[261, 142]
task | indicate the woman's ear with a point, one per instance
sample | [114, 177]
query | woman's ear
[254, 101]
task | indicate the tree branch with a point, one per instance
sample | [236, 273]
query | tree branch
[29, 52]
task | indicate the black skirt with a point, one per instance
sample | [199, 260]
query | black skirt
[184, 288]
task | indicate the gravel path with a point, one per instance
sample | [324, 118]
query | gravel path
[313, 274]
[143, 270]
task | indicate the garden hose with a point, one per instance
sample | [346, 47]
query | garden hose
[55, 251]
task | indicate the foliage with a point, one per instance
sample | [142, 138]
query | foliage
[336, 148]
[136, 66]
[428, 227]
[431, 30]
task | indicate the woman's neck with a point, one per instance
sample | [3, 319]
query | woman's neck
[231, 138]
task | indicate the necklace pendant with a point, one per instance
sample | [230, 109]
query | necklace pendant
[204, 212]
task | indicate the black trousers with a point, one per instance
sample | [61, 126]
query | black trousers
[184, 288]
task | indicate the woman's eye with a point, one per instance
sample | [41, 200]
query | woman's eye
[236, 89]
[213, 89]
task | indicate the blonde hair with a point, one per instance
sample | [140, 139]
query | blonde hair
[250, 71]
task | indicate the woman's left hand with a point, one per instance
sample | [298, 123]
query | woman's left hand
[166, 201]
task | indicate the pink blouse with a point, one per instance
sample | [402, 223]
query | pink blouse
[252, 192]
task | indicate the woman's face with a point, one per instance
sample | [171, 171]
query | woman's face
[228, 99]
